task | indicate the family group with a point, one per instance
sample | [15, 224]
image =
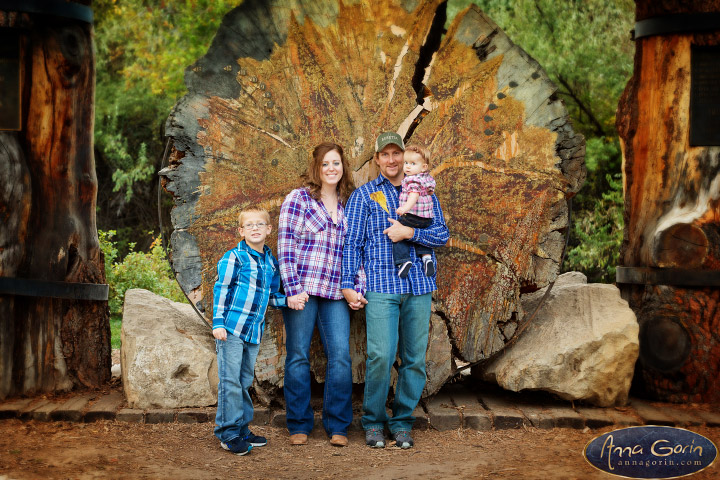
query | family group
[339, 249]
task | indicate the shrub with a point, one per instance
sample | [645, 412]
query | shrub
[599, 232]
[148, 270]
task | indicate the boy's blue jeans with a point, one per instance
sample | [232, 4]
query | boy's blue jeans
[236, 370]
[396, 324]
[333, 321]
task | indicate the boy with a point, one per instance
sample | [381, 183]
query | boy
[248, 279]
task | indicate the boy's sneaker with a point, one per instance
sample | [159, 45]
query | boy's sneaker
[404, 270]
[255, 440]
[403, 439]
[428, 266]
[374, 438]
[238, 446]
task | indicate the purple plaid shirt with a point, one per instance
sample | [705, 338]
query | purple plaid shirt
[310, 247]
[424, 184]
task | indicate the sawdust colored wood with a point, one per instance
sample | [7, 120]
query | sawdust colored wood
[282, 76]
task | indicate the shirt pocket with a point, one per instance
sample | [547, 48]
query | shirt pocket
[315, 222]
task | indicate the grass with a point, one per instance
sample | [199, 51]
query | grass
[115, 325]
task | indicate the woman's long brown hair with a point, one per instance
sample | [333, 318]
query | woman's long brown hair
[312, 180]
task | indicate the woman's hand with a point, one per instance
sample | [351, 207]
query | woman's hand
[355, 300]
[297, 302]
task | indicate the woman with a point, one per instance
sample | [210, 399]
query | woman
[310, 243]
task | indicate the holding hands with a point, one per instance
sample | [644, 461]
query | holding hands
[355, 300]
[297, 302]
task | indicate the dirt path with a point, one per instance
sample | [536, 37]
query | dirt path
[30, 450]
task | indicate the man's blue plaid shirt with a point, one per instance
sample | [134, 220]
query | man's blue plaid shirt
[247, 282]
[366, 244]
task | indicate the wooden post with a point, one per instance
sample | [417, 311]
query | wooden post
[48, 199]
[672, 201]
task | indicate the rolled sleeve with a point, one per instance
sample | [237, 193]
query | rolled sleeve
[437, 234]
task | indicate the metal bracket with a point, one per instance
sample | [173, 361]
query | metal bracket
[54, 8]
[676, 24]
[44, 288]
[668, 276]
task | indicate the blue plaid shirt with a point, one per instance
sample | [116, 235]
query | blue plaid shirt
[366, 245]
[247, 282]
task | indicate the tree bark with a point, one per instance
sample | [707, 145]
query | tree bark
[283, 76]
[672, 214]
[50, 344]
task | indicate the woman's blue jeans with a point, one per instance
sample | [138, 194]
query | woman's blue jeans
[236, 370]
[397, 324]
[333, 321]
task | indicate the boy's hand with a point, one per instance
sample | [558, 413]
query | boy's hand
[220, 333]
[297, 302]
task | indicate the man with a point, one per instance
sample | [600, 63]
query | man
[398, 309]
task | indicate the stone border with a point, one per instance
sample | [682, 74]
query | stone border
[451, 409]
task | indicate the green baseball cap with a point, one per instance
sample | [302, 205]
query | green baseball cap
[387, 138]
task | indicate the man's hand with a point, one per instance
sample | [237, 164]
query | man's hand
[220, 333]
[398, 232]
[297, 302]
[354, 299]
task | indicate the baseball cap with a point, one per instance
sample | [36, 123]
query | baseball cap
[387, 138]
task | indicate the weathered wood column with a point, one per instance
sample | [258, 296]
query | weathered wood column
[47, 209]
[284, 75]
[669, 124]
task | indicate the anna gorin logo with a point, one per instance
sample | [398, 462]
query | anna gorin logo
[651, 452]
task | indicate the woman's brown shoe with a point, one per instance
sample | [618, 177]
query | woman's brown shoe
[298, 439]
[339, 441]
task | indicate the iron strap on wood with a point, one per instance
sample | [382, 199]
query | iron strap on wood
[44, 288]
[55, 8]
[668, 276]
[678, 23]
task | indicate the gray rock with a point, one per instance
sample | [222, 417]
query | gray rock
[582, 345]
[167, 355]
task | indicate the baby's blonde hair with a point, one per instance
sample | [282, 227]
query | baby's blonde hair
[261, 211]
[422, 151]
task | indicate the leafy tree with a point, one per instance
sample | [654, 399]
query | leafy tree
[143, 47]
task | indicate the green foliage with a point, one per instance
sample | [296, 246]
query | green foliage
[599, 231]
[148, 270]
[142, 50]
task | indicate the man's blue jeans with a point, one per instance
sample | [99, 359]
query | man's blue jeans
[396, 325]
[236, 370]
[333, 321]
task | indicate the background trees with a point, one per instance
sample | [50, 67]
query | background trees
[143, 47]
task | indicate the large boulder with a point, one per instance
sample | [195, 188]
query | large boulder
[167, 355]
[582, 345]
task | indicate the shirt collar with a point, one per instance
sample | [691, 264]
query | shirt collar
[380, 179]
[244, 246]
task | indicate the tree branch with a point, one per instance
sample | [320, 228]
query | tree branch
[581, 105]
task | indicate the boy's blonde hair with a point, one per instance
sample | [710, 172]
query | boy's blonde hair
[422, 151]
[261, 211]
